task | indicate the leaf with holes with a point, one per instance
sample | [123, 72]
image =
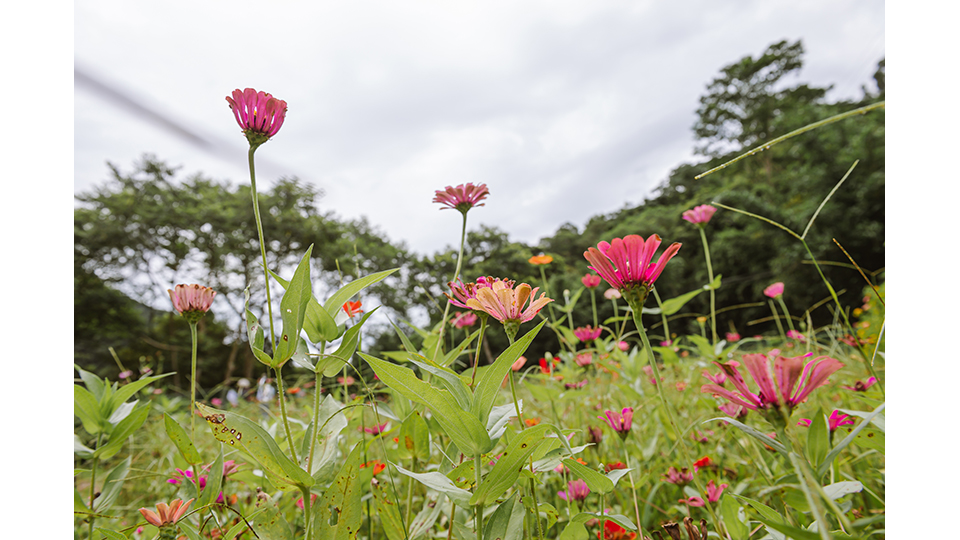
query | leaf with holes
[337, 514]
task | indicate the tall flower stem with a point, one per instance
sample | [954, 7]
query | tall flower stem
[533, 491]
[478, 509]
[263, 249]
[93, 485]
[713, 294]
[633, 487]
[663, 316]
[476, 355]
[776, 318]
[593, 304]
[193, 380]
[786, 314]
[682, 443]
[318, 378]
[283, 413]
[456, 274]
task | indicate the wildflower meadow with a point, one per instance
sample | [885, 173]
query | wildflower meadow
[561, 397]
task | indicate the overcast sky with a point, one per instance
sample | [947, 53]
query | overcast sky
[564, 109]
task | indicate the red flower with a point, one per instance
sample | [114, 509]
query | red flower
[613, 531]
[705, 461]
[352, 309]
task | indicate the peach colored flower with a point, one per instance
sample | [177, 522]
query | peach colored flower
[700, 215]
[166, 515]
[507, 304]
[191, 299]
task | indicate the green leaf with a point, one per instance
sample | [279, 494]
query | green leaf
[767, 514]
[337, 514]
[703, 345]
[319, 325]
[293, 309]
[330, 365]
[78, 503]
[112, 535]
[423, 522]
[122, 432]
[818, 439]
[407, 344]
[386, 509]
[237, 431]
[439, 482]
[730, 512]
[128, 390]
[505, 473]
[214, 481]
[462, 427]
[506, 523]
[488, 386]
[254, 332]
[595, 481]
[86, 408]
[335, 302]
[93, 383]
[448, 379]
[452, 355]
[111, 486]
[181, 440]
[827, 461]
[673, 305]
[499, 418]
[331, 421]
[270, 524]
[839, 489]
[762, 437]
[414, 438]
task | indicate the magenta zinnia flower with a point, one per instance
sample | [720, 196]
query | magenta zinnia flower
[861, 386]
[463, 197]
[584, 359]
[835, 420]
[713, 491]
[700, 215]
[620, 422]
[774, 290]
[192, 301]
[166, 515]
[790, 380]
[464, 319]
[627, 264]
[465, 291]
[259, 114]
[587, 333]
[590, 281]
[680, 478]
[577, 490]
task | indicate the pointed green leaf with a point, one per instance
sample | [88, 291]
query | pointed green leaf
[762, 437]
[111, 486]
[505, 473]
[237, 431]
[452, 355]
[462, 427]
[122, 432]
[414, 438]
[93, 383]
[335, 302]
[407, 344]
[730, 512]
[330, 365]
[293, 309]
[332, 421]
[825, 465]
[506, 523]
[112, 535]
[386, 509]
[214, 481]
[86, 408]
[337, 514]
[439, 482]
[318, 324]
[181, 440]
[254, 332]
[488, 386]
[270, 524]
[128, 390]
[818, 439]
[597, 482]
[423, 522]
[448, 379]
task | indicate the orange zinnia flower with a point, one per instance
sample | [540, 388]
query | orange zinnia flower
[540, 259]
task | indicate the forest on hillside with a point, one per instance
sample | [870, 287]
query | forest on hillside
[144, 226]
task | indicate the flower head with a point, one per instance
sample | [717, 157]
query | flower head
[192, 301]
[352, 309]
[540, 259]
[546, 366]
[583, 359]
[376, 429]
[718, 379]
[793, 334]
[613, 531]
[508, 305]
[587, 333]
[577, 490]
[788, 379]
[861, 386]
[463, 197]
[774, 290]
[576, 385]
[626, 264]
[705, 461]
[464, 319]
[166, 515]
[733, 410]
[620, 422]
[518, 365]
[611, 294]
[733, 336]
[835, 420]
[680, 478]
[591, 281]
[465, 291]
[623, 346]
[713, 491]
[700, 215]
[259, 114]
[614, 466]
[378, 466]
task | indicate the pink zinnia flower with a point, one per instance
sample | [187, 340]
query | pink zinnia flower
[259, 114]
[375, 429]
[611, 294]
[507, 304]
[465, 291]
[680, 478]
[216, 402]
[733, 336]
[626, 264]
[692, 501]
[591, 281]
[464, 319]
[835, 420]
[861, 386]
[587, 333]
[789, 379]
[733, 410]
[463, 197]
[700, 215]
[774, 290]
[624, 346]
[192, 301]
[620, 422]
[584, 359]
[718, 379]
[793, 334]
[187, 475]
[166, 515]
[577, 490]
[519, 363]
[575, 386]
[713, 491]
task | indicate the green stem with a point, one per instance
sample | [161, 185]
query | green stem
[663, 316]
[456, 274]
[633, 487]
[682, 443]
[263, 249]
[478, 510]
[476, 355]
[93, 484]
[413, 467]
[776, 318]
[307, 513]
[786, 314]
[713, 295]
[283, 413]
[318, 378]
[593, 303]
[193, 380]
